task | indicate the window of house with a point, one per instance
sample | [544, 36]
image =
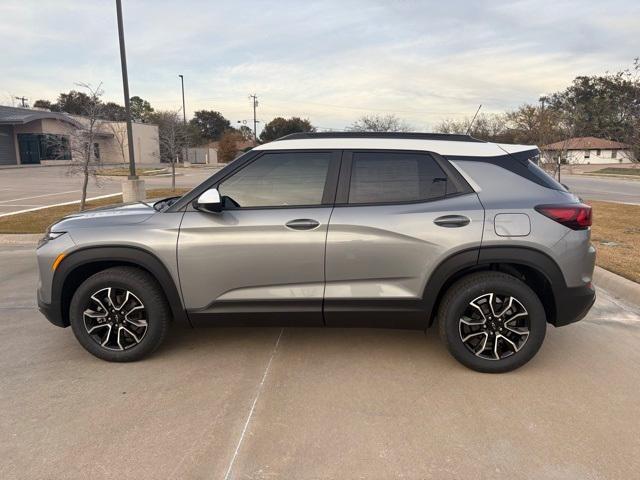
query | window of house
[96, 151]
[279, 179]
[587, 153]
[390, 177]
[598, 152]
[614, 154]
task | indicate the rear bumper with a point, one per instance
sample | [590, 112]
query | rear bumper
[52, 313]
[573, 304]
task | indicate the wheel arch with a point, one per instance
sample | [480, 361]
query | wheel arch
[81, 264]
[535, 268]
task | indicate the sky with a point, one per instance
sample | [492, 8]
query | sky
[328, 61]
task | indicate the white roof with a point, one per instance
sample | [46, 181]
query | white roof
[442, 147]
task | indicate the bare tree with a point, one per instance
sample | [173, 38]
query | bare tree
[119, 131]
[173, 138]
[379, 123]
[81, 146]
[490, 127]
[86, 160]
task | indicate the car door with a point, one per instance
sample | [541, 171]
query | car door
[261, 259]
[398, 214]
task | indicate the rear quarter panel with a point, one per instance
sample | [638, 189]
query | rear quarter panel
[503, 192]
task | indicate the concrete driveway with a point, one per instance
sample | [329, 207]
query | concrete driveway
[312, 403]
[24, 188]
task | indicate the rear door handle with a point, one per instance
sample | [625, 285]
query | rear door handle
[452, 221]
[302, 224]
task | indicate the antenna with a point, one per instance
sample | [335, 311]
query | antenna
[473, 120]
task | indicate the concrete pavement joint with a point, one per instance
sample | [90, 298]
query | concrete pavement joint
[253, 406]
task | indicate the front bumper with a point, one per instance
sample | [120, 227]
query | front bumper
[52, 312]
[573, 304]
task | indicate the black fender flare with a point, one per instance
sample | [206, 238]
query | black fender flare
[470, 260]
[133, 256]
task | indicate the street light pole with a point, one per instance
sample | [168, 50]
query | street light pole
[125, 85]
[184, 118]
[132, 188]
[184, 111]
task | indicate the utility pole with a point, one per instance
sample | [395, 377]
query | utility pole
[133, 190]
[254, 97]
[23, 100]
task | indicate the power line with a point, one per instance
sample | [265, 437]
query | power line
[330, 105]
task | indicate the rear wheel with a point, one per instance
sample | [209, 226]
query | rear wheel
[492, 322]
[119, 314]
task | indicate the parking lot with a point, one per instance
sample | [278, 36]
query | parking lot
[26, 188]
[313, 403]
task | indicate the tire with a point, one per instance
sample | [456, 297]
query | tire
[475, 334]
[101, 304]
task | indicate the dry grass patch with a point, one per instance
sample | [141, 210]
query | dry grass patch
[39, 220]
[616, 236]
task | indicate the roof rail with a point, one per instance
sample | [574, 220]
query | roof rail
[447, 137]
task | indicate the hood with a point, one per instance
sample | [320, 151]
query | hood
[120, 214]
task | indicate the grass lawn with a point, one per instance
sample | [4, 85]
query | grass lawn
[39, 220]
[123, 172]
[618, 171]
[616, 236]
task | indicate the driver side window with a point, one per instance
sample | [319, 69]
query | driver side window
[278, 180]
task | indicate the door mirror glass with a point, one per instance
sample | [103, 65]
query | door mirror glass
[209, 200]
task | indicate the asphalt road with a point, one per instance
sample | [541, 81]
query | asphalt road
[24, 188]
[602, 188]
[312, 403]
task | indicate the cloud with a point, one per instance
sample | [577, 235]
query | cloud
[329, 61]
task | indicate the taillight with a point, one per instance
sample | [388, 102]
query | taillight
[576, 216]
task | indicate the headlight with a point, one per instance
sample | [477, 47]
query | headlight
[48, 236]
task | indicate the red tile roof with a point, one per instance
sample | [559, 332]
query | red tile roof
[586, 143]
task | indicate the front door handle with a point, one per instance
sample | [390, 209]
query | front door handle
[452, 221]
[302, 224]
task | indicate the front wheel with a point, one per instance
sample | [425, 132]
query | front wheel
[119, 314]
[492, 322]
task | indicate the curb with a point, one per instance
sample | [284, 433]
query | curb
[611, 175]
[20, 239]
[619, 287]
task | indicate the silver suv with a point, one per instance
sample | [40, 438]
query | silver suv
[335, 229]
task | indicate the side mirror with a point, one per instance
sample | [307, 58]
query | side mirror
[209, 201]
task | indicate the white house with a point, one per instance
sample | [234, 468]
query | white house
[587, 150]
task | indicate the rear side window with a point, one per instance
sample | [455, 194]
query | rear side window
[542, 177]
[381, 177]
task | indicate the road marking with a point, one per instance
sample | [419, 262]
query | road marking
[38, 196]
[253, 406]
[19, 205]
[58, 205]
